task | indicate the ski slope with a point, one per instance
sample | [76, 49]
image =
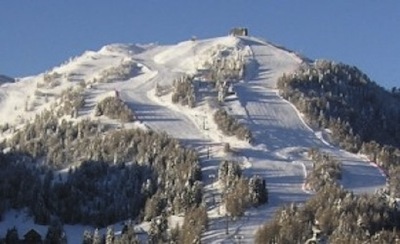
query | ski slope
[281, 140]
[281, 137]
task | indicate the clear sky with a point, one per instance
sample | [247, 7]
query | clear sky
[38, 35]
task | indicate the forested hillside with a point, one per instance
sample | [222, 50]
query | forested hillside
[113, 174]
[99, 146]
[362, 116]
[335, 216]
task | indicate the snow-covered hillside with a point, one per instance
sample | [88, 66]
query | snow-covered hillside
[281, 138]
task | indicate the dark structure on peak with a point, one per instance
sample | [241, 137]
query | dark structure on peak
[239, 31]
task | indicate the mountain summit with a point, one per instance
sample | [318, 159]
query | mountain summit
[124, 112]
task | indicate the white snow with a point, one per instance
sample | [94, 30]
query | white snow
[281, 137]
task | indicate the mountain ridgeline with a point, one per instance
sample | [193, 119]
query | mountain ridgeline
[362, 116]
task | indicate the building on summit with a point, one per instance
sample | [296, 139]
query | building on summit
[239, 31]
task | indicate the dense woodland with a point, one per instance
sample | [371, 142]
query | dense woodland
[113, 174]
[336, 216]
[362, 117]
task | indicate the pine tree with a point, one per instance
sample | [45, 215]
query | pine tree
[12, 236]
[158, 229]
[128, 234]
[97, 238]
[257, 191]
[55, 233]
[110, 235]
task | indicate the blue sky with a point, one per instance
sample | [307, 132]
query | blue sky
[38, 35]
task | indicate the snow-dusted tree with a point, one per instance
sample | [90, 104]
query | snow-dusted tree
[110, 235]
[114, 108]
[326, 170]
[97, 237]
[158, 229]
[196, 194]
[154, 206]
[87, 237]
[354, 108]
[227, 147]
[55, 233]
[123, 71]
[258, 193]
[184, 91]
[394, 181]
[194, 224]
[230, 126]
[229, 172]
[128, 234]
[236, 198]
[12, 236]
[71, 101]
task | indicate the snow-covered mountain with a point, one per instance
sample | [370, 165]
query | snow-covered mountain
[133, 73]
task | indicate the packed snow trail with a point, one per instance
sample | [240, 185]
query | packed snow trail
[135, 92]
[281, 125]
[281, 140]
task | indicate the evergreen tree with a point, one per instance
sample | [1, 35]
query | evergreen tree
[55, 233]
[110, 235]
[128, 234]
[258, 193]
[158, 229]
[12, 236]
[97, 237]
